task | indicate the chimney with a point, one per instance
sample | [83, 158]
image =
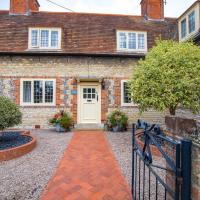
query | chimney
[152, 9]
[23, 7]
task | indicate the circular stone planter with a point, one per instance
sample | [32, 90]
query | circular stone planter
[18, 151]
[154, 149]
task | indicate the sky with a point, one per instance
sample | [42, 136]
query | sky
[173, 8]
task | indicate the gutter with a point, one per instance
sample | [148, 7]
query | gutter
[123, 55]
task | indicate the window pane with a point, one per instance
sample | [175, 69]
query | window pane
[38, 91]
[44, 38]
[192, 22]
[54, 38]
[27, 91]
[141, 42]
[127, 99]
[122, 40]
[132, 41]
[183, 28]
[89, 90]
[34, 38]
[48, 91]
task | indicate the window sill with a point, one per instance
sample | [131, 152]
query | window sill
[43, 50]
[38, 106]
[131, 51]
[130, 105]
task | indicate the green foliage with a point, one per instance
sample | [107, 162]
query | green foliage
[66, 121]
[117, 118]
[168, 77]
[62, 118]
[10, 114]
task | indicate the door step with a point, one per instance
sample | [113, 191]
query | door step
[89, 126]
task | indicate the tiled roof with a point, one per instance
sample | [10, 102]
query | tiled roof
[82, 33]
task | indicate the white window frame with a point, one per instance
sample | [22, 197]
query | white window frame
[32, 92]
[186, 27]
[39, 38]
[197, 22]
[193, 11]
[122, 95]
[132, 50]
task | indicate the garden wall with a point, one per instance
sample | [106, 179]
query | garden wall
[189, 128]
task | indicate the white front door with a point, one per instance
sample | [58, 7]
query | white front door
[89, 103]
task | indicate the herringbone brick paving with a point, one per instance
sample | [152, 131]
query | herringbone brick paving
[87, 171]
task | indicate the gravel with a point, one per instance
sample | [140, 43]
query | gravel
[121, 146]
[25, 178]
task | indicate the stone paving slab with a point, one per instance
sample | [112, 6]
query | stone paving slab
[88, 171]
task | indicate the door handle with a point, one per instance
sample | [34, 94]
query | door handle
[89, 100]
[97, 98]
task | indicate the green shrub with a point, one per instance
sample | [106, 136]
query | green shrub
[66, 121]
[10, 114]
[169, 77]
[62, 118]
[117, 119]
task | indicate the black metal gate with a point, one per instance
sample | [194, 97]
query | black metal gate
[161, 165]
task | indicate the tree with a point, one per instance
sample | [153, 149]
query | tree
[168, 77]
[10, 114]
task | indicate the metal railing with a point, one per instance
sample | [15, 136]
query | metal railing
[161, 165]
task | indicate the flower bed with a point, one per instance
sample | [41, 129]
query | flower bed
[20, 149]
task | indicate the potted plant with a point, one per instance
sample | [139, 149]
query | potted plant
[117, 121]
[62, 121]
[168, 79]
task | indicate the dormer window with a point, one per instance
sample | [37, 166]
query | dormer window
[44, 38]
[132, 41]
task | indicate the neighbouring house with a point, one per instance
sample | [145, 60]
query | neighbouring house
[189, 24]
[79, 62]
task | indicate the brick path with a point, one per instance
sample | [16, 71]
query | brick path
[88, 171]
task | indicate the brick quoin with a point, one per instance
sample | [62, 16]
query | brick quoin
[58, 91]
[17, 91]
[117, 92]
[74, 100]
[104, 105]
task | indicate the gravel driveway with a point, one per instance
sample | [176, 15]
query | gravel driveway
[121, 146]
[24, 178]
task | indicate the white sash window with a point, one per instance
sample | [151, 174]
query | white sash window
[37, 92]
[132, 41]
[44, 38]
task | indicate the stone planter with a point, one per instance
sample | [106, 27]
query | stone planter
[116, 129]
[59, 128]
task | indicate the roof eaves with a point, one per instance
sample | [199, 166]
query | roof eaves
[129, 55]
[194, 4]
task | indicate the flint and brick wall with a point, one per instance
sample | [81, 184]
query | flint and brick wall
[65, 69]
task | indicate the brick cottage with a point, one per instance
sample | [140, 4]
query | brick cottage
[78, 62]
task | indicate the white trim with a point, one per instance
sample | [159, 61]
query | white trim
[196, 9]
[132, 50]
[97, 84]
[32, 90]
[39, 38]
[122, 95]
